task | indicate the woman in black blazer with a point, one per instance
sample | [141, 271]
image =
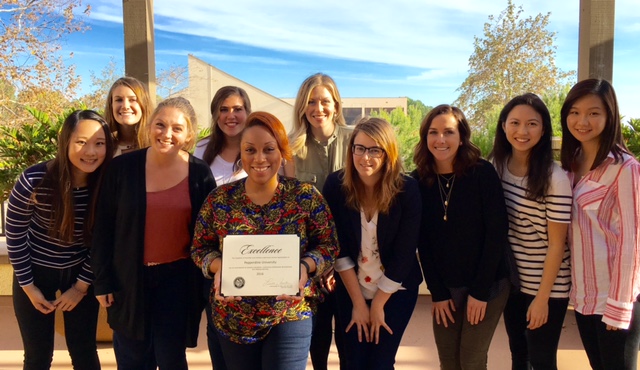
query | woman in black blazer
[377, 215]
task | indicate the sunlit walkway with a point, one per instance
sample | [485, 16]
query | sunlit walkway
[416, 352]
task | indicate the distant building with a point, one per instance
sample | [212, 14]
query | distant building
[205, 80]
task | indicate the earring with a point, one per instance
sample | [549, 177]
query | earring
[239, 163]
[284, 162]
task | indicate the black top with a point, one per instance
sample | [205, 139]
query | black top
[468, 249]
[397, 231]
[118, 241]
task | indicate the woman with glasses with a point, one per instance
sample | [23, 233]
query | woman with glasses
[377, 215]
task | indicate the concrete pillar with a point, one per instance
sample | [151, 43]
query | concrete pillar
[595, 47]
[139, 45]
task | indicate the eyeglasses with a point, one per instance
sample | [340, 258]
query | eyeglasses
[374, 151]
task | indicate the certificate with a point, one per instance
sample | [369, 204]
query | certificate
[260, 265]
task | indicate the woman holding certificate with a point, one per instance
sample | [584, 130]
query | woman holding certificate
[377, 215]
[260, 332]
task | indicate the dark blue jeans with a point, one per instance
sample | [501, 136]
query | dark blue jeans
[37, 329]
[286, 347]
[533, 349]
[165, 302]
[370, 356]
[610, 349]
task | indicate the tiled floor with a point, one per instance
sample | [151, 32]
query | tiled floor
[417, 350]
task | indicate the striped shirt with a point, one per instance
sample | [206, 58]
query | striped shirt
[605, 241]
[28, 242]
[528, 235]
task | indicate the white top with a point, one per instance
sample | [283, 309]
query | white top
[370, 268]
[222, 170]
[528, 229]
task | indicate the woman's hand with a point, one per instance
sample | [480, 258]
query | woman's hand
[538, 313]
[475, 310]
[72, 296]
[304, 278]
[442, 311]
[376, 315]
[360, 318]
[106, 300]
[38, 300]
[216, 287]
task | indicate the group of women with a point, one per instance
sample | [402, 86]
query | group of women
[144, 233]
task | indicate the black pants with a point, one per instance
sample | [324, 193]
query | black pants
[610, 349]
[38, 330]
[323, 333]
[533, 349]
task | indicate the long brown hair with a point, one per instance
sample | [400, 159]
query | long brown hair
[142, 94]
[467, 155]
[391, 181]
[301, 125]
[217, 139]
[59, 176]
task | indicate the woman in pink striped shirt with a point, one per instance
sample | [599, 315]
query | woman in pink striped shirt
[604, 235]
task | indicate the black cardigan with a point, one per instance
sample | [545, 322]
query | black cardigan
[397, 230]
[468, 250]
[118, 242]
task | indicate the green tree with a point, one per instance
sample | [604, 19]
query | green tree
[513, 57]
[631, 134]
[407, 127]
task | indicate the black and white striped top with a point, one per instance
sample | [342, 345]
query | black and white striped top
[28, 242]
[528, 229]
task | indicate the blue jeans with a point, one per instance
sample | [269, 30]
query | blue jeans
[37, 329]
[610, 349]
[368, 355]
[165, 301]
[286, 347]
[533, 349]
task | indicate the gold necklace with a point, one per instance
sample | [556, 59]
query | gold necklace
[445, 192]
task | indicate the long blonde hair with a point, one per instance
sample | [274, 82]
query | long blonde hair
[301, 125]
[392, 178]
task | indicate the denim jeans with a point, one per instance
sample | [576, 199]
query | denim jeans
[37, 329]
[165, 302]
[610, 349]
[286, 347]
[465, 346]
[533, 349]
[369, 355]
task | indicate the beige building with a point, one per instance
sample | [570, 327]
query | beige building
[205, 80]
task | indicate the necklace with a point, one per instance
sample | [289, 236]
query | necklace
[445, 191]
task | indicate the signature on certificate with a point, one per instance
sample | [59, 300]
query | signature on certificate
[275, 283]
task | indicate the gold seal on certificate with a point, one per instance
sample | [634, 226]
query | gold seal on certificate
[260, 265]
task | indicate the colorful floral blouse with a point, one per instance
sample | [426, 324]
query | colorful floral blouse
[296, 208]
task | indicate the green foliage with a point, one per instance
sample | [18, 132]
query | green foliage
[24, 146]
[407, 128]
[553, 99]
[631, 134]
[513, 57]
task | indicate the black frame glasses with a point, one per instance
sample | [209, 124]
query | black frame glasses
[374, 151]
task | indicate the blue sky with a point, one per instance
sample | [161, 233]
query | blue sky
[413, 48]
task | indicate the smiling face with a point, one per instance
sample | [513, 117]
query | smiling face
[587, 119]
[443, 141]
[260, 155]
[87, 148]
[368, 168]
[168, 132]
[126, 109]
[232, 116]
[523, 128]
[321, 107]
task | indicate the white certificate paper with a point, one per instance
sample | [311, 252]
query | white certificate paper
[260, 265]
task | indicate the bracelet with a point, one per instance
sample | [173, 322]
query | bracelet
[73, 286]
[306, 265]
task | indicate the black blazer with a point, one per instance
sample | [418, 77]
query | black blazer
[398, 231]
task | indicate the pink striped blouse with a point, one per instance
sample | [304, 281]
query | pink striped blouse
[605, 241]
